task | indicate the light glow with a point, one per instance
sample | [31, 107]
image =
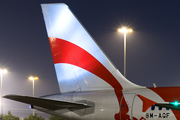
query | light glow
[33, 78]
[3, 71]
[175, 103]
[124, 30]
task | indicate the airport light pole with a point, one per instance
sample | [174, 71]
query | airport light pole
[33, 78]
[124, 30]
[1, 72]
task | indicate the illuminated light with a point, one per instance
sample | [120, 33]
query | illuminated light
[176, 103]
[124, 30]
[3, 71]
[1, 74]
[30, 78]
[33, 78]
[130, 30]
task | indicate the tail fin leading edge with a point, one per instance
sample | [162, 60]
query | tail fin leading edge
[79, 62]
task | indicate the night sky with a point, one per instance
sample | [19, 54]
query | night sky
[152, 49]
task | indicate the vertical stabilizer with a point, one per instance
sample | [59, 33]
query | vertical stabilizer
[79, 62]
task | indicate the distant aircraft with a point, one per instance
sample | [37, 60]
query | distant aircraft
[91, 87]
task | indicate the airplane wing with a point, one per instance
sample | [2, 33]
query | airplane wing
[51, 104]
[148, 103]
[171, 105]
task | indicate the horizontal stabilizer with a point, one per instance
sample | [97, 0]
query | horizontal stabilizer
[51, 104]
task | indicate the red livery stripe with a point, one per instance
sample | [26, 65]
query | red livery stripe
[66, 52]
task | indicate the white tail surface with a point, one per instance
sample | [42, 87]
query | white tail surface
[80, 64]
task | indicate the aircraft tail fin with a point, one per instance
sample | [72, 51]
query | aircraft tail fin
[79, 62]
